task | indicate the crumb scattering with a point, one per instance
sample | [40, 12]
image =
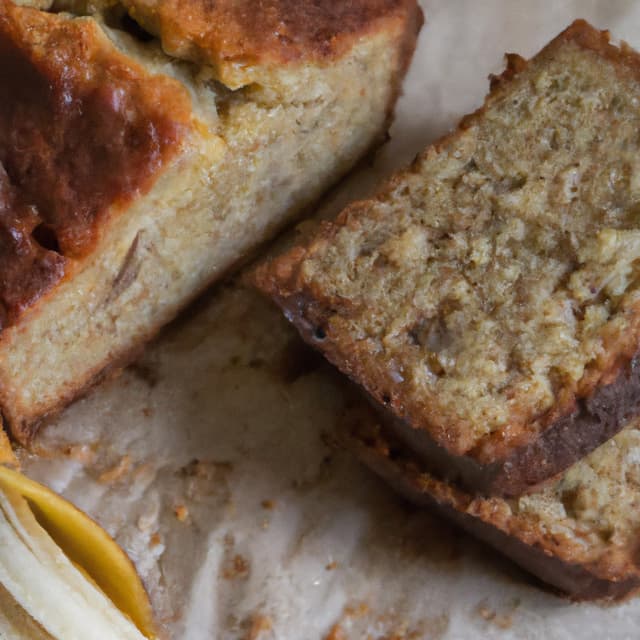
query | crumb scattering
[336, 633]
[259, 626]
[117, 472]
[498, 619]
[181, 512]
[237, 568]
[83, 453]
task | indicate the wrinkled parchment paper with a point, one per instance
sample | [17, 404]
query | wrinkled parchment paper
[209, 463]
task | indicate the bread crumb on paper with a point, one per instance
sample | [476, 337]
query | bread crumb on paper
[500, 619]
[237, 568]
[117, 472]
[259, 626]
[336, 633]
[181, 512]
[356, 610]
[358, 621]
[83, 453]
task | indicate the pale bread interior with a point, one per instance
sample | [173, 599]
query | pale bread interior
[254, 160]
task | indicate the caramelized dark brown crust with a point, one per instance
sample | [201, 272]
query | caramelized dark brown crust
[83, 131]
[511, 461]
[275, 31]
[27, 269]
[537, 552]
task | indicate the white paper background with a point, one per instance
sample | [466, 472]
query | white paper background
[284, 537]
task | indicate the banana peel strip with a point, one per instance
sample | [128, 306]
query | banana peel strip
[64, 571]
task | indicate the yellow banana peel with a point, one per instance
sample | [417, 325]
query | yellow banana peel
[43, 533]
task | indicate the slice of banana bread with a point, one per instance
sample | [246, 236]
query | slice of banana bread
[489, 296]
[578, 533]
[130, 179]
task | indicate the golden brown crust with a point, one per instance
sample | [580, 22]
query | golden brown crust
[84, 132]
[309, 307]
[235, 37]
[275, 31]
[413, 20]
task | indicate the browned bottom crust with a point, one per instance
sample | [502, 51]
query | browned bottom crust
[579, 581]
[593, 421]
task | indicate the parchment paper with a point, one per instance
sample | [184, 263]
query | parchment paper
[209, 460]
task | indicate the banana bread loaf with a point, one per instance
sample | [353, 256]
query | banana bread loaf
[578, 533]
[489, 296]
[146, 147]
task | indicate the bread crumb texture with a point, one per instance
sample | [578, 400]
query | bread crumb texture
[596, 504]
[497, 279]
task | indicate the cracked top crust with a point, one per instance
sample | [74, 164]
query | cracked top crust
[84, 131]
[237, 36]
